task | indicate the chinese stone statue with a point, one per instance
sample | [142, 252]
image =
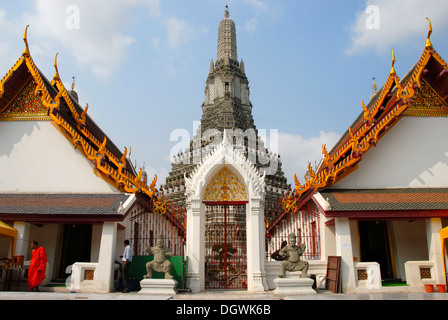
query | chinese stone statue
[160, 262]
[291, 252]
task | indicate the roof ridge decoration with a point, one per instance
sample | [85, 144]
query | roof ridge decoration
[41, 90]
[80, 120]
[95, 151]
[377, 120]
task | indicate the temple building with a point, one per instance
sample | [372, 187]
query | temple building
[382, 190]
[63, 182]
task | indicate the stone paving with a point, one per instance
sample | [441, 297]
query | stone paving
[222, 295]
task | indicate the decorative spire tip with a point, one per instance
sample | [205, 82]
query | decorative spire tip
[428, 41]
[392, 71]
[25, 39]
[227, 13]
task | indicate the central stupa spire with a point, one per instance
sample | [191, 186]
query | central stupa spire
[226, 108]
[227, 38]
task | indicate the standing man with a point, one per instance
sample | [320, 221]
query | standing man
[127, 259]
[38, 266]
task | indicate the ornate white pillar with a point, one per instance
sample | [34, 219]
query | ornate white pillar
[256, 275]
[196, 246]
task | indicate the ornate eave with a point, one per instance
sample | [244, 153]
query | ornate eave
[396, 99]
[74, 124]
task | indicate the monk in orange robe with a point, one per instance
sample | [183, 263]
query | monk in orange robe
[38, 266]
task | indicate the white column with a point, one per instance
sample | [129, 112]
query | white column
[196, 246]
[104, 274]
[256, 275]
[433, 228]
[345, 251]
[23, 238]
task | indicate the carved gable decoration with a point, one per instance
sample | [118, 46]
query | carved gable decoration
[427, 103]
[225, 186]
[25, 106]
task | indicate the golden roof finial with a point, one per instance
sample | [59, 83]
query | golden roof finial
[428, 41]
[392, 71]
[26, 52]
[56, 76]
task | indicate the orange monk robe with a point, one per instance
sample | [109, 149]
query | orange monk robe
[38, 266]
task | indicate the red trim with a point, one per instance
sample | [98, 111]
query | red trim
[120, 226]
[61, 219]
[388, 214]
[224, 203]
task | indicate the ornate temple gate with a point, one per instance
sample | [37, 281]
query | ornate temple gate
[225, 246]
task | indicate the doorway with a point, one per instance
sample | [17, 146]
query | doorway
[225, 247]
[75, 247]
[375, 246]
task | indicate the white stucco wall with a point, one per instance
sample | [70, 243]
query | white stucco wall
[413, 154]
[36, 158]
[409, 239]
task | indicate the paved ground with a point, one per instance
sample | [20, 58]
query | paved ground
[223, 304]
[222, 295]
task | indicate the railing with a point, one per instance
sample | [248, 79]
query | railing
[305, 224]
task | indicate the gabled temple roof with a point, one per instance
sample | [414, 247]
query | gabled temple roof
[73, 122]
[396, 99]
[399, 199]
[56, 207]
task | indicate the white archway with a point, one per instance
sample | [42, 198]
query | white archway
[224, 155]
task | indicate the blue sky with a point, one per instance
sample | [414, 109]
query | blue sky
[141, 65]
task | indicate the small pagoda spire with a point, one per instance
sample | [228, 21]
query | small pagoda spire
[375, 89]
[242, 67]
[73, 84]
[212, 66]
[72, 91]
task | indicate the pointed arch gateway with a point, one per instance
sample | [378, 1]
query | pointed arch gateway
[225, 202]
[225, 223]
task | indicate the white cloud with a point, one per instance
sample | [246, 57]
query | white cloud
[258, 5]
[93, 32]
[296, 152]
[400, 21]
[179, 32]
[251, 25]
[153, 6]
[156, 42]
